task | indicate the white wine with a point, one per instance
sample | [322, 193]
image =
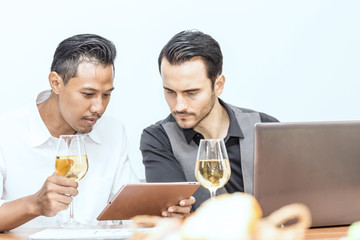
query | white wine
[72, 167]
[213, 173]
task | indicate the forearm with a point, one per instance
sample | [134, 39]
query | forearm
[16, 213]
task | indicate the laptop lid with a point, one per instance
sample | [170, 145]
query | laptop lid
[315, 163]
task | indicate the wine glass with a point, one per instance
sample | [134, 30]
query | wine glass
[71, 162]
[212, 168]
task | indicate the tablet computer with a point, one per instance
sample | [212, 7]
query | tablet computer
[146, 199]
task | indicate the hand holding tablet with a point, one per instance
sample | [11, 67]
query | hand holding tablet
[146, 199]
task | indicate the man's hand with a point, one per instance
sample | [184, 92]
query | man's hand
[54, 196]
[182, 210]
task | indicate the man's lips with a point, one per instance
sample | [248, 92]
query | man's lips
[91, 121]
[182, 115]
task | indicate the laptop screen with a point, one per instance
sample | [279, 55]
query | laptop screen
[314, 163]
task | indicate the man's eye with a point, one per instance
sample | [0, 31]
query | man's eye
[87, 94]
[170, 92]
[191, 93]
[107, 94]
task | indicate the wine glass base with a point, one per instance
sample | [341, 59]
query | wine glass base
[72, 223]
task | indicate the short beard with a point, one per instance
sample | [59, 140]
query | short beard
[203, 114]
[206, 114]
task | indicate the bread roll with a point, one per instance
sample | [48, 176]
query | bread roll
[228, 216]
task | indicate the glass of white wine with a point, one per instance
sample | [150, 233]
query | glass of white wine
[212, 168]
[71, 162]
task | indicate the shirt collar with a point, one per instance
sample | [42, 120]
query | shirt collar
[233, 131]
[94, 134]
[234, 127]
[39, 134]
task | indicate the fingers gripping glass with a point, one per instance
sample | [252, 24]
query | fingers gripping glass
[212, 168]
[71, 162]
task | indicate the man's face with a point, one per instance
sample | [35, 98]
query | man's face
[84, 99]
[188, 91]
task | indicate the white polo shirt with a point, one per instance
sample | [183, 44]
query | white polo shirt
[27, 158]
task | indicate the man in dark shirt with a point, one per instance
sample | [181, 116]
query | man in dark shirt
[190, 65]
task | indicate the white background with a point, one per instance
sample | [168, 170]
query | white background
[295, 60]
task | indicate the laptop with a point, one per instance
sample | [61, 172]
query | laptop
[314, 163]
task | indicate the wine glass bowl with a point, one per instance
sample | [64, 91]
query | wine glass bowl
[212, 168]
[71, 162]
[72, 167]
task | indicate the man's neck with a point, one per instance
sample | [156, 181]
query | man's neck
[50, 114]
[216, 124]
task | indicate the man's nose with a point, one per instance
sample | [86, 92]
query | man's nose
[180, 104]
[97, 106]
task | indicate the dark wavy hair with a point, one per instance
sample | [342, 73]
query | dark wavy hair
[81, 48]
[193, 43]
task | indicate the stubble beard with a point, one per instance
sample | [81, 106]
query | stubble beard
[201, 117]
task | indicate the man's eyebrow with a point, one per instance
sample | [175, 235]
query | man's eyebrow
[167, 89]
[192, 90]
[95, 90]
[90, 89]
[110, 90]
[187, 90]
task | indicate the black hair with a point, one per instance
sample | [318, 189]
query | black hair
[193, 43]
[81, 48]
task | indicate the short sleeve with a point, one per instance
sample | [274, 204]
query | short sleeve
[267, 118]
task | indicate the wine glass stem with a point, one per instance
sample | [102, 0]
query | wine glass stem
[72, 210]
[212, 194]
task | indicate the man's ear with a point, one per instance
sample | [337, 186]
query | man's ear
[56, 82]
[219, 85]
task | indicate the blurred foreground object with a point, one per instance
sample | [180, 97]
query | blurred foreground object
[354, 231]
[272, 227]
[228, 216]
[234, 216]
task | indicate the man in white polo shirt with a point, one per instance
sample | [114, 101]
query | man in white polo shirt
[81, 82]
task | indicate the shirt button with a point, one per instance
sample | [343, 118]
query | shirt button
[50, 143]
